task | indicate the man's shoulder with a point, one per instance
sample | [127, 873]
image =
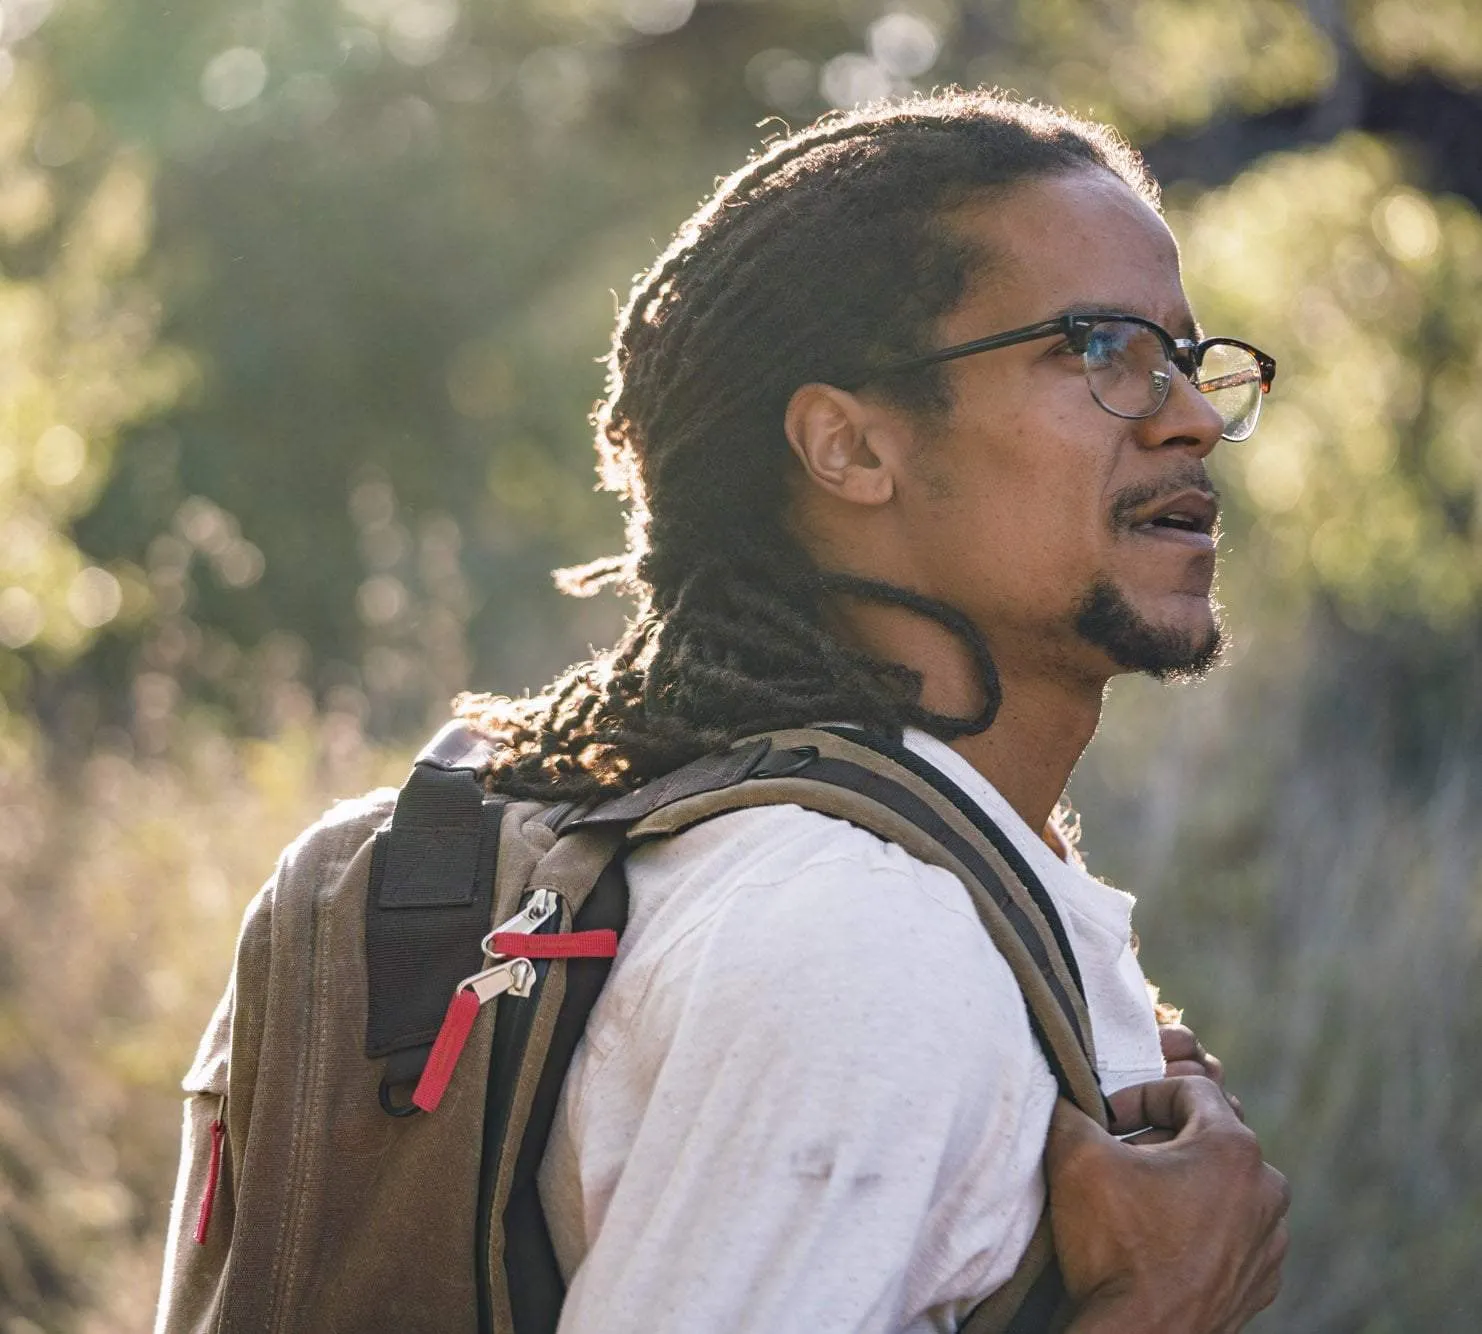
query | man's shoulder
[760, 896]
[790, 856]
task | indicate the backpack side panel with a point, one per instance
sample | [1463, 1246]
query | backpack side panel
[321, 1188]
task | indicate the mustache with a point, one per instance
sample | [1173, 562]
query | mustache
[1130, 500]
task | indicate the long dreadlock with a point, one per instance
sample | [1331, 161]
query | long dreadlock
[825, 254]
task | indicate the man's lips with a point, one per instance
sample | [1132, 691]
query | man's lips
[1187, 517]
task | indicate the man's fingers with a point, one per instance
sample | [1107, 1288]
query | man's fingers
[1268, 1286]
[1169, 1104]
[1184, 1054]
[1176, 1068]
[1179, 1043]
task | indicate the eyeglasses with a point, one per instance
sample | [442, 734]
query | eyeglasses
[1129, 364]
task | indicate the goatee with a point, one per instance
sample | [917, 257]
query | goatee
[1107, 620]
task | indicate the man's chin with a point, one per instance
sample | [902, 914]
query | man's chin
[1107, 620]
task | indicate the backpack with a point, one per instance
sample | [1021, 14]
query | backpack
[318, 1193]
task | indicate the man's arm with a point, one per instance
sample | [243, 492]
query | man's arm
[1186, 1235]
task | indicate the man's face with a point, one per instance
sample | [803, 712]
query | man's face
[1027, 507]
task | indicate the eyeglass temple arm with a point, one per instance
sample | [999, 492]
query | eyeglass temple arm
[1007, 339]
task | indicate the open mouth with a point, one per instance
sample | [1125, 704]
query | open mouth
[1189, 516]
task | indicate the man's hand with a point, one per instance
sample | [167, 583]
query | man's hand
[1184, 1054]
[1186, 1236]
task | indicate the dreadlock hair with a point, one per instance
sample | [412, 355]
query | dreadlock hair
[826, 253]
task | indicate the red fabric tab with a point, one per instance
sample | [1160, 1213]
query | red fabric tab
[457, 1024]
[572, 945]
[213, 1175]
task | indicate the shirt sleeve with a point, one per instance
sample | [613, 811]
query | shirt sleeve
[844, 1118]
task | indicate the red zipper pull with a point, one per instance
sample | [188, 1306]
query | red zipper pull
[213, 1175]
[513, 975]
[516, 976]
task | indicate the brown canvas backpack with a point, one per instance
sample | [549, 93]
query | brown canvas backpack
[316, 1195]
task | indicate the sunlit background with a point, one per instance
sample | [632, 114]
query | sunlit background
[300, 306]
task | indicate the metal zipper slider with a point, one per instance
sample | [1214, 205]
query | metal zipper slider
[514, 976]
[543, 905]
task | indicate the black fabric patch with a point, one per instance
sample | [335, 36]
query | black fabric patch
[428, 907]
[431, 850]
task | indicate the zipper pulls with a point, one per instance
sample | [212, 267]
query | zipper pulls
[515, 976]
[509, 949]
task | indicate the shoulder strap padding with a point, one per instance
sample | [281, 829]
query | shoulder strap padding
[709, 773]
[534, 1041]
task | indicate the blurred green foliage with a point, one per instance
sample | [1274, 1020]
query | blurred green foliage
[301, 306]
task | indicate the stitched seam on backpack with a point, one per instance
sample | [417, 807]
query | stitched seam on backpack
[303, 1142]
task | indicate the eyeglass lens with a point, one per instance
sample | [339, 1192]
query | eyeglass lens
[1129, 374]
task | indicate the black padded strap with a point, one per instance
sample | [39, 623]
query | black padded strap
[709, 773]
[1045, 1306]
[429, 898]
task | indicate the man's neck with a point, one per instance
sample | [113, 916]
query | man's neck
[1047, 718]
[1039, 735]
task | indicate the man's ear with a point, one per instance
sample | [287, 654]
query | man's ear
[830, 430]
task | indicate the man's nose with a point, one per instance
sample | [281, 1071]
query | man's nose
[1187, 419]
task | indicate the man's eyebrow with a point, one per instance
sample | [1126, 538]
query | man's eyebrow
[1184, 325]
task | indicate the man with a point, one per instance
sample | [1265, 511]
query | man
[908, 420]
[809, 1097]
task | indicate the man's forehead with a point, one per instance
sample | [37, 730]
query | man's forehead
[1067, 245]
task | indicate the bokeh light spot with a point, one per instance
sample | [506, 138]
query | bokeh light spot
[234, 78]
[94, 597]
[782, 79]
[59, 457]
[381, 599]
[905, 44]
[1406, 225]
[420, 30]
[20, 617]
[853, 78]
[653, 18]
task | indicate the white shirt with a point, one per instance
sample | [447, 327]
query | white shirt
[808, 1098]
